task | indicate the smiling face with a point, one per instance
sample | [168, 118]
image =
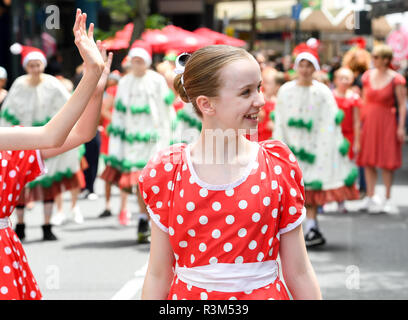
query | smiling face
[239, 98]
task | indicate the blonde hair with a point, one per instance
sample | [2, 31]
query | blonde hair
[384, 51]
[202, 72]
[344, 69]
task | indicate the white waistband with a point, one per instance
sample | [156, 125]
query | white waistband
[230, 277]
[5, 223]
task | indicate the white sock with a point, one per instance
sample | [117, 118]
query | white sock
[310, 223]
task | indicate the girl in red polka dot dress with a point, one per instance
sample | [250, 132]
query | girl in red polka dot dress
[225, 208]
[31, 145]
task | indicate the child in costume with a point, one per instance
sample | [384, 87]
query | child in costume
[32, 100]
[141, 125]
[221, 218]
[350, 103]
[31, 145]
[308, 120]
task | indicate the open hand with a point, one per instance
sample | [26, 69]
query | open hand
[93, 61]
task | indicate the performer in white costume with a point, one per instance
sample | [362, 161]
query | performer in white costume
[308, 120]
[141, 125]
[33, 100]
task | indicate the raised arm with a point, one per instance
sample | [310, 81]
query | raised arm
[85, 129]
[55, 132]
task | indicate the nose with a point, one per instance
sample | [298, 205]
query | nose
[259, 100]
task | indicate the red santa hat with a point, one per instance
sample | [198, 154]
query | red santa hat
[28, 53]
[307, 51]
[142, 50]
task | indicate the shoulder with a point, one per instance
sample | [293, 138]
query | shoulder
[365, 76]
[287, 86]
[398, 79]
[321, 87]
[165, 161]
[154, 76]
[19, 82]
[278, 150]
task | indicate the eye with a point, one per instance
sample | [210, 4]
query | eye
[246, 92]
[259, 88]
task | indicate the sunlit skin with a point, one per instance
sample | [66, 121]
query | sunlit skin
[238, 98]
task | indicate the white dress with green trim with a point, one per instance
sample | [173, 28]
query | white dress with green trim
[308, 120]
[187, 125]
[28, 105]
[141, 126]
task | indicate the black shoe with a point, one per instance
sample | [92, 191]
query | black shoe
[105, 213]
[47, 233]
[314, 238]
[143, 231]
[20, 227]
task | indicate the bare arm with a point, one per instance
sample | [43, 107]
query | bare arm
[296, 267]
[54, 133]
[106, 107]
[85, 129]
[401, 94]
[159, 272]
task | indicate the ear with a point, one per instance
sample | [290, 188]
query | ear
[205, 106]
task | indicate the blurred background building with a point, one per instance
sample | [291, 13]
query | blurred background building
[276, 25]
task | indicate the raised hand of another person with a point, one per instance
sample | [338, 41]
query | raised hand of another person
[93, 61]
[107, 58]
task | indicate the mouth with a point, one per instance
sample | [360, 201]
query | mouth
[253, 117]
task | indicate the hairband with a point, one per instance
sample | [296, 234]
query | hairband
[180, 66]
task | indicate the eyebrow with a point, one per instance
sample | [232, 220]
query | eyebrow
[249, 85]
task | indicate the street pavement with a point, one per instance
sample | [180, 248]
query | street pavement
[365, 256]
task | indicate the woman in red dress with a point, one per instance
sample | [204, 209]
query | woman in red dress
[382, 134]
[31, 145]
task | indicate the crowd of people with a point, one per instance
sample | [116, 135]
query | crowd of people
[290, 137]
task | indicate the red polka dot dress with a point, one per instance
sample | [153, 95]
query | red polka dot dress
[17, 168]
[225, 238]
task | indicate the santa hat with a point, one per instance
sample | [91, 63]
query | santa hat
[307, 51]
[28, 54]
[142, 50]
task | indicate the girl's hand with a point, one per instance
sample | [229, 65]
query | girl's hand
[401, 134]
[106, 71]
[93, 61]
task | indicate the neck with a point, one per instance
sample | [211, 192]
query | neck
[216, 146]
[305, 81]
[139, 74]
[340, 92]
[34, 79]
[382, 69]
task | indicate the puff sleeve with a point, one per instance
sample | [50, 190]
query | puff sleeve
[156, 184]
[291, 186]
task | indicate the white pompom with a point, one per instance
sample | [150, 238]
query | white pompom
[16, 48]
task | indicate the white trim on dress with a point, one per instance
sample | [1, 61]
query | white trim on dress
[293, 225]
[41, 163]
[157, 220]
[228, 186]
